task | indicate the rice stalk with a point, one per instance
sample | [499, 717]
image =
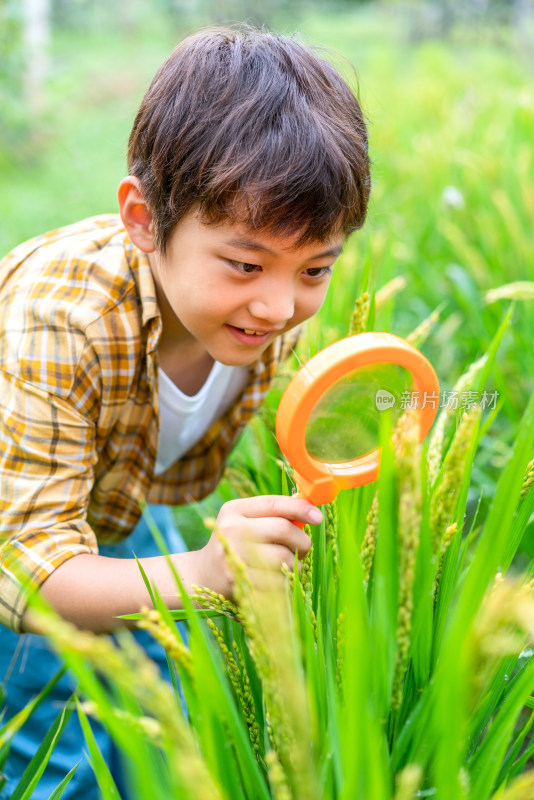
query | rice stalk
[340, 652]
[265, 616]
[528, 482]
[142, 726]
[360, 314]
[331, 522]
[465, 383]
[503, 626]
[368, 546]
[469, 254]
[515, 228]
[409, 522]
[444, 498]
[128, 667]
[239, 679]
[207, 598]
[152, 621]
[519, 788]
[240, 481]
[306, 570]
[448, 536]
[420, 334]
[277, 778]
[464, 779]
[389, 290]
[408, 782]
[518, 290]
[284, 686]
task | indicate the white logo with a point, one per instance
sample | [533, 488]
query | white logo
[384, 399]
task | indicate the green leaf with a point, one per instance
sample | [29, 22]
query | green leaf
[102, 772]
[10, 728]
[485, 765]
[384, 590]
[179, 615]
[37, 765]
[60, 788]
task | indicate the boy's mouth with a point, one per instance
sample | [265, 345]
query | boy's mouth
[249, 336]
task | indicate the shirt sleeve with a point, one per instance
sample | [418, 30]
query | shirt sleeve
[47, 460]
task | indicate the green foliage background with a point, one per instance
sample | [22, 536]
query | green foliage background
[450, 101]
[448, 93]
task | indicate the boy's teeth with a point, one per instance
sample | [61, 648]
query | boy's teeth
[249, 332]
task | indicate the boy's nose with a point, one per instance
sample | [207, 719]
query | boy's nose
[276, 308]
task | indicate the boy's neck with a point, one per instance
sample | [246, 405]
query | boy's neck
[187, 367]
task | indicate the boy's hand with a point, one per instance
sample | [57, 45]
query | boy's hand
[260, 531]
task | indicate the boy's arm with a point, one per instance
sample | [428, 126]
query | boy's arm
[91, 591]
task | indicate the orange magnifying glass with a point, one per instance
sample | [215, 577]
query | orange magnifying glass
[328, 420]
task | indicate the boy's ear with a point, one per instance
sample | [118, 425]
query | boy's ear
[135, 215]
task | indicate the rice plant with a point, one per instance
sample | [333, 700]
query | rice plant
[397, 663]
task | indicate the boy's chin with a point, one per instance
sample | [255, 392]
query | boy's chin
[240, 359]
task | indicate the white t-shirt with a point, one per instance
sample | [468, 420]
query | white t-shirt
[184, 419]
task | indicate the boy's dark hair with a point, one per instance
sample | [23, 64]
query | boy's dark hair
[253, 127]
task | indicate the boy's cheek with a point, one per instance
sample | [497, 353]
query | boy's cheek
[311, 309]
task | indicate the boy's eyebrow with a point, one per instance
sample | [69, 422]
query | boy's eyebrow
[244, 243]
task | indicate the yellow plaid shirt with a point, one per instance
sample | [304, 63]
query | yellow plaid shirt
[79, 331]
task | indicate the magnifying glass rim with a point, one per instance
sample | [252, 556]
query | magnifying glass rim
[315, 378]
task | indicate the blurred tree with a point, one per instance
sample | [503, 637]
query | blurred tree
[423, 19]
[36, 40]
[11, 72]
[269, 13]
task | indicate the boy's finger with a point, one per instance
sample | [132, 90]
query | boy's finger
[268, 579]
[279, 531]
[272, 557]
[275, 505]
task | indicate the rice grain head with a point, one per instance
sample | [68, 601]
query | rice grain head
[207, 598]
[360, 314]
[241, 685]
[264, 614]
[443, 501]
[284, 686]
[277, 778]
[408, 782]
[169, 638]
[465, 383]
[519, 788]
[448, 536]
[409, 523]
[389, 290]
[331, 522]
[421, 333]
[368, 546]
[503, 626]
[528, 482]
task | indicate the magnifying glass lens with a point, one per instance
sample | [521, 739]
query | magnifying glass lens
[345, 423]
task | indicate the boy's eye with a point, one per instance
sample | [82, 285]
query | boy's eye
[243, 266]
[318, 272]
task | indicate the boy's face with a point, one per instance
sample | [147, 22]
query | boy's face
[231, 290]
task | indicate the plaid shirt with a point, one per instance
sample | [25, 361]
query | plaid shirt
[79, 331]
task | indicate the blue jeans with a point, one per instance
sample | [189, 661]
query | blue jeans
[27, 664]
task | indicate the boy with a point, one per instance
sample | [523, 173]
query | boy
[133, 350]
